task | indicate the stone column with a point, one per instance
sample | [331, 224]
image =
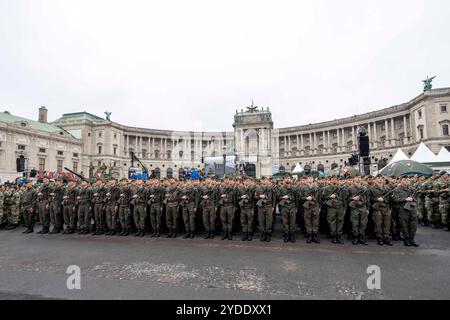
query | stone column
[329, 146]
[302, 146]
[405, 130]
[368, 134]
[375, 136]
[393, 139]
[353, 138]
[386, 130]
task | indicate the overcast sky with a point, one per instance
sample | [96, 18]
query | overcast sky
[191, 64]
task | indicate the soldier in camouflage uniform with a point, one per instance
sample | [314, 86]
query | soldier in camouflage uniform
[171, 202]
[28, 202]
[444, 199]
[12, 208]
[2, 204]
[208, 202]
[266, 205]
[420, 196]
[403, 199]
[55, 200]
[246, 197]
[43, 194]
[84, 201]
[227, 202]
[69, 198]
[287, 198]
[98, 202]
[189, 203]
[358, 202]
[334, 197]
[124, 203]
[431, 188]
[311, 210]
[112, 192]
[381, 211]
[155, 200]
[139, 202]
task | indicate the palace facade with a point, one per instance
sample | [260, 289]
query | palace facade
[83, 142]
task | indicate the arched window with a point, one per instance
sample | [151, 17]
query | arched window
[282, 169]
[156, 154]
[169, 154]
[169, 173]
[144, 154]
[321, 168]
[157, 173]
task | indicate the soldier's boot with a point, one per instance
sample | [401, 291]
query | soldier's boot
[435, 225]
[225, 235]
[126, 232]
[362, 240]
[380, 241]
[229, 237]
[40, 231]
[153, 234]
[293, 240]
[138, 233]
[263, 237]
[447, 228]
[316, 238]
[211, 236]
[53, 231]
[339, 239]
[286, 237]
[388, 242]
[101, 231]
[310, 238]
[250, 236]
[86, 231]
[413, 243]
[355, 240]
[192, 235]
[45, 230]
[207, 235]
[394, 237]
[244, 236]
[187, 235]
[26, 231]
[157, 235]
[31, 230]
[174, 234]
[406, 242]
[426, 223]
[334, 239]
[142, 233]
[113, 232]
[269, 237]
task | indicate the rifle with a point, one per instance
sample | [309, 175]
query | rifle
[375, 205]
[326, 202]
[352, 203]
[409, 205]
[76, 174]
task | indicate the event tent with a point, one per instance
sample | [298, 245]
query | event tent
[399, 155]
[423, 154]
[443, 155]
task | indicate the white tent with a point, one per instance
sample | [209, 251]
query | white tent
[423, 154]
[298, 169]
[443, 155]
[399, 155]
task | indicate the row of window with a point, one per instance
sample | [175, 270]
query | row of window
[43, 150]
[59, 165]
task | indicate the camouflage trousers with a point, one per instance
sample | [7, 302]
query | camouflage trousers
[247, 217]
[265, 219]
[359, 219]
[44, 215]
[124, 216]
[155, 217]
[12, 215]
[84, 216]
[312, 218]
[335, 218]
[421, 213]
[99, 216]
[209, 218]
[111, 216]
[172, 217]
[443, 211]
[382, 220]
[226, 216]
[55, 215]
[288, 215]
[139, 215]
[188, 214]
[2, 216]
[29, 216]
[432, 209]
[408, 222]
[70, 216]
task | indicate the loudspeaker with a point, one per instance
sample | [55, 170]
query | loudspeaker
[20, 164]
[250, 170]
[33, 173]
[363, 146]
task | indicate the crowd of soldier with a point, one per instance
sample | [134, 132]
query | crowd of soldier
[390, 209]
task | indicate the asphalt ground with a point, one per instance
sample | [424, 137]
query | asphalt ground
[34, 267]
